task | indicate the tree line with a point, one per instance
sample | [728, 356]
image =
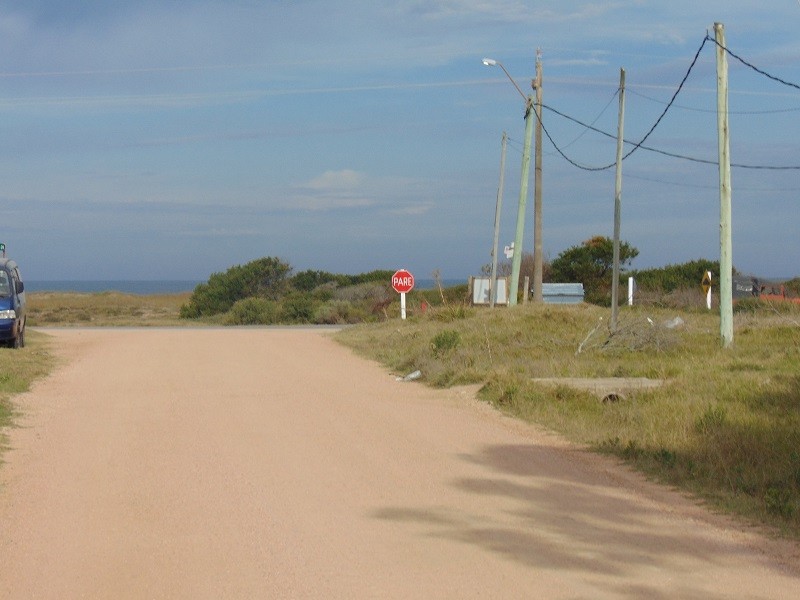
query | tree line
[266, 291]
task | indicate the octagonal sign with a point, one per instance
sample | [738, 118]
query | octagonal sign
[402, 281]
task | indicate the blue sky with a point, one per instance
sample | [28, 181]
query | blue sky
[169, 140]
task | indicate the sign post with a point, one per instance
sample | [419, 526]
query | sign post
[402, 282]
[707, 288]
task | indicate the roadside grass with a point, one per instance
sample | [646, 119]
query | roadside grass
[724, 426]
[104, 309]
[18, 370]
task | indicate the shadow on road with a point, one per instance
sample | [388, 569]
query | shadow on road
[557, 509]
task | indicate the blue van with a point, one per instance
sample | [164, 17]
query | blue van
[12, 304]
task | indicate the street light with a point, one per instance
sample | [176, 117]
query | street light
[490, 62]
[523, 187]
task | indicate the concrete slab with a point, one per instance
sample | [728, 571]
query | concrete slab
[608, 389]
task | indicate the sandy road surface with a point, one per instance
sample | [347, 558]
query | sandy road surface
[275, 464]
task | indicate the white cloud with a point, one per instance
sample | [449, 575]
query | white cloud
[328, 202]
[332, 190]
[496, 10]
[346, 179]
[412, 210]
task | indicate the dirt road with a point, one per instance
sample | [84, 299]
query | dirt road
[275, 464]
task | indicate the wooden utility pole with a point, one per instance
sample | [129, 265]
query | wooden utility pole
[618, 202]
[725, 243]
[537, 185]
[498, 206]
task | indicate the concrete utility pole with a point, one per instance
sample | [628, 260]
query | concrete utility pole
[523, 201]
[537, 186]
[725, 243]
[523, 187]
[498, 205]
[618, 202]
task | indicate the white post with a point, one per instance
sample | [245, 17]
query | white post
[498, 205]
[631, 285]
[708, 291]
[617, 203]
[403, 305]
[725, 242]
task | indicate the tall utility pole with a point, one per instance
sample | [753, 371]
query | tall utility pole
[537, 186]
[523, 187]
[498, 205]
[618, 202]
[523, 200]
[725, 243]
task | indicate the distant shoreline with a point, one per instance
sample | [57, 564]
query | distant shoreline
[136, 287]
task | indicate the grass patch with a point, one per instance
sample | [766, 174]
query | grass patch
[725, 426]
[18, 370]
[64, 309]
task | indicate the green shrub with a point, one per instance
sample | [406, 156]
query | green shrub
[253, 311]
[265, 277]
[339, 312]
[363, 292]
[297, 307]
[672, 277]
[445, 341]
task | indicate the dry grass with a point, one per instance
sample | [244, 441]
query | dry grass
[725, 426]
[64, 309]
[18, 370]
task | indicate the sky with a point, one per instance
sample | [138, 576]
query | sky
[165, 139]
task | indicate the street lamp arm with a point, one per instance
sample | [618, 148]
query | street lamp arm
[489, 62]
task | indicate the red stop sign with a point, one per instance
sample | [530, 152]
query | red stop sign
[402, 281]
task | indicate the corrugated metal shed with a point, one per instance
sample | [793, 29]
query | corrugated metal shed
[562, 293]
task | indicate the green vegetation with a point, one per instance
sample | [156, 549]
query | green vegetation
[674, 277]
[18, 370]
[263, 292]
[591, 263]
[725, 425]
[263, 278]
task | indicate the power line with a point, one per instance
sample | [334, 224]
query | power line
[638, 144]
[669, 105]
[651, 149]
[597, 118]
[753, 67]
[713, 110]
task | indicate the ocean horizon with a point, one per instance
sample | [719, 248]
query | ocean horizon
[141, 287]
[126, 286]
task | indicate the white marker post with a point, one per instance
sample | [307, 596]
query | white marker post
[707, 288]
[402, 282]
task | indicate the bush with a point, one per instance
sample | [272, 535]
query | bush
[445, 341]
[339, 312]
[673, 277]
[297, 307]
[265, 277]
[363, 292]
[591, 263]
[253, 311]
[307, 281]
